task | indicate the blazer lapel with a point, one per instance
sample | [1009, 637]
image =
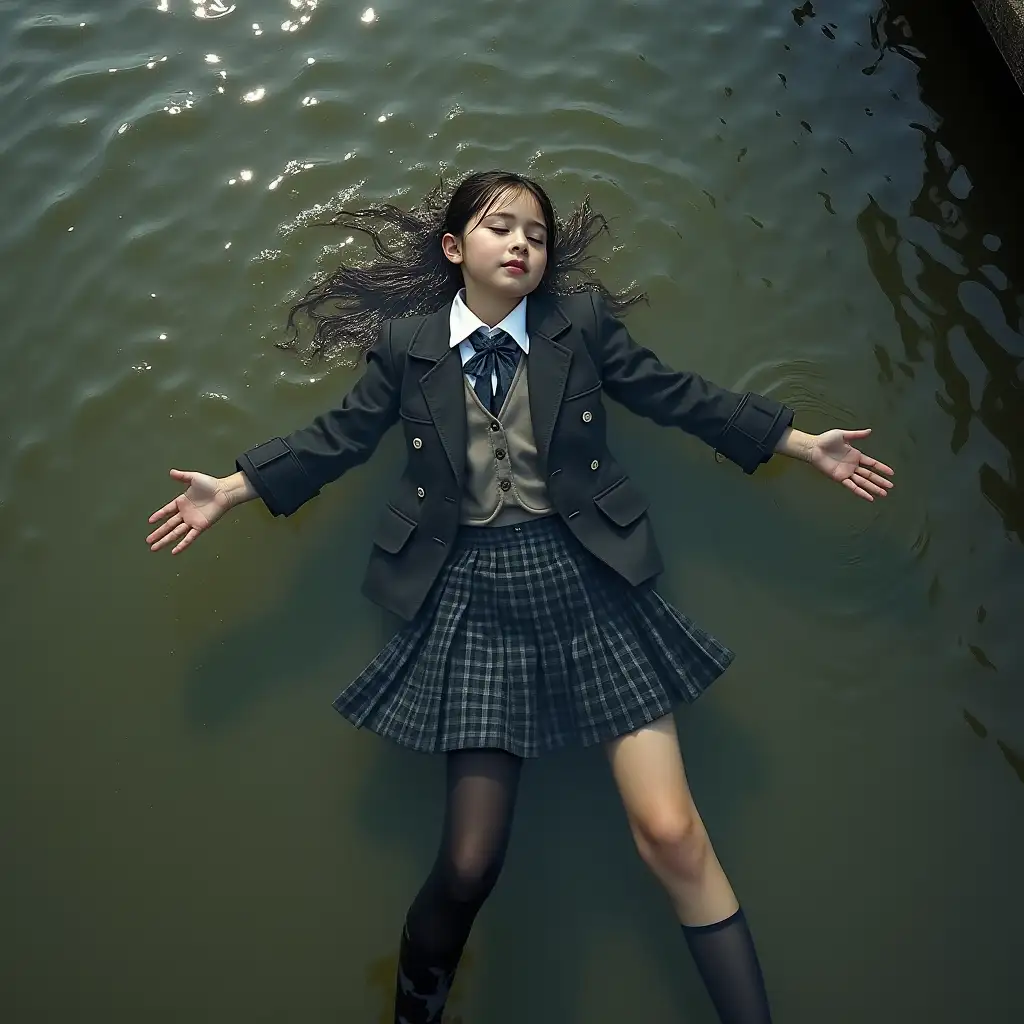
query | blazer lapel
[548, 364]
[442, 386]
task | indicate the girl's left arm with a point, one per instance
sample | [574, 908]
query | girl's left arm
[746, 428]
[832, 454]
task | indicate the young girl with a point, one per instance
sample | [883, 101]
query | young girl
[516, 548]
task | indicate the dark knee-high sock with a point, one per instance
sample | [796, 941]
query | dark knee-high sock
[482, 786]
[727, 961]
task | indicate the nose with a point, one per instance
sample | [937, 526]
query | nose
[519, 240]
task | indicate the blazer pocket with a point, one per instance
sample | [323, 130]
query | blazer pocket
[583, 394]
[412, 418]
[393, 531]
[622, 503]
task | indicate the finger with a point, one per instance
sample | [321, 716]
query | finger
[866, 460]
[878, 481]
[170, 507]
[165, 529]
[189, 537]
[172, 535]
[181, 474]
[857, 489]
[873, 488]
[854, 435]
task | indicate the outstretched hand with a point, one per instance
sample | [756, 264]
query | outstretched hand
[832, 454]
[203, 502]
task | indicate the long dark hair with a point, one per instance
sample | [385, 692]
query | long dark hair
[411, 274]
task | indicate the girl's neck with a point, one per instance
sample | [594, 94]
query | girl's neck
[490, 308]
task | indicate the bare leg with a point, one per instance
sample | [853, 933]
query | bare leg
[673, 842]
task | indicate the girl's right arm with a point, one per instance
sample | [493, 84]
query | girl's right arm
[202, 503]
[286, 472]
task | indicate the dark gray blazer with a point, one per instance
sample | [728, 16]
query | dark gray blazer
[578, 354]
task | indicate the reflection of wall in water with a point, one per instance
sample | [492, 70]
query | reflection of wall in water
[952, 266]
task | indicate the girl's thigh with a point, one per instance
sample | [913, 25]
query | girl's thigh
[647, 766]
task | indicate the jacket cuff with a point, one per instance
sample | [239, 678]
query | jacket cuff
[277, 476]
[753, 431]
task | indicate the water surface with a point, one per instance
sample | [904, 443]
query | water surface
[822, 203]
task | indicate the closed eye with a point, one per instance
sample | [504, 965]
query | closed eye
[504, 231]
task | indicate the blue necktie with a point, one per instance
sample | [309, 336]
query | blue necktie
[493, 353]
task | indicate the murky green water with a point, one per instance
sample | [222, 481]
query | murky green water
[823, 204]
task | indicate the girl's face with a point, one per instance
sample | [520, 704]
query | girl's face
[503, 249]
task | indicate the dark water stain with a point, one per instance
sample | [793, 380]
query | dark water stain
[981, 657]
[801, 14]
[978, 728]
[885, 373]
[1013, 758]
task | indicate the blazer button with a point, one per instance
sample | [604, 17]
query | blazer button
[505, 484]
[420, 493]
[595, 464]
[495, 426]
[417, 442]
[499, 453]
[588, 416]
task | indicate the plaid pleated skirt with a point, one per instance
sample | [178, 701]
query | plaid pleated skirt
[529, 643]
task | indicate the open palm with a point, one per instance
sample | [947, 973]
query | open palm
[832, 454]
[195, 510]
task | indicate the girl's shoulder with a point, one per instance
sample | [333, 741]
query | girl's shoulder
[403, 329]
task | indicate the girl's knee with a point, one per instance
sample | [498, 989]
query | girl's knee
[673, 842]
[471, 873]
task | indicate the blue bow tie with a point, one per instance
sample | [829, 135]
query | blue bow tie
[495, 353]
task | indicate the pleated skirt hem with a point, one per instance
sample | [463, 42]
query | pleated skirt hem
[528, 643]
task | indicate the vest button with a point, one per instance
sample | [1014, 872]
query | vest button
[495, 426]
[500, 453]
[588, 416]
[595, 464]
[505, 484]
[417, 442]
[420, 493]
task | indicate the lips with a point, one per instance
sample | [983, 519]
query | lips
[517, 264]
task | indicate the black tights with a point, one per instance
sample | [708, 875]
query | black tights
[481, 798]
